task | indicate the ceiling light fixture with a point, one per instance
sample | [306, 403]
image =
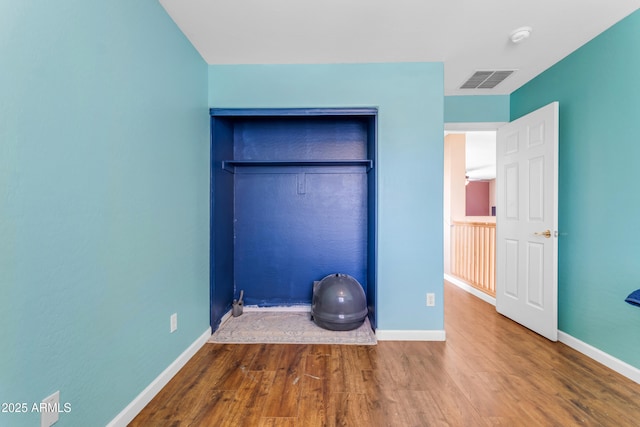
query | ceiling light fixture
[520, 34]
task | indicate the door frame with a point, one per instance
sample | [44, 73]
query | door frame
[466, 127]
[459, 128]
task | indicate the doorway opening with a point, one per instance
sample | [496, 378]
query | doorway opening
[526, 262]
[469, 226]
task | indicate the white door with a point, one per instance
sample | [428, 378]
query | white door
[527, 221]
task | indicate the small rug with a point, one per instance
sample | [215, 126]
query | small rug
[279, 327]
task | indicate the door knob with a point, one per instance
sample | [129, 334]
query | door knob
[546, 234]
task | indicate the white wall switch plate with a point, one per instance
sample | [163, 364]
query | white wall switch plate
[431, 300]
[49, 414]
[174, 322]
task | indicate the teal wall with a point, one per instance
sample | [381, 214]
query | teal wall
[597, 87]
[410, 166]
[476, 108]
[104, 202]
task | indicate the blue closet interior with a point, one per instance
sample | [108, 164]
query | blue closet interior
[292, 200]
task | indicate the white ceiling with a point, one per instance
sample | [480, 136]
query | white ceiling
[480, 155]
[466, 35]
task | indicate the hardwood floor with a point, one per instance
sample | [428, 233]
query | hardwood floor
[490, 371]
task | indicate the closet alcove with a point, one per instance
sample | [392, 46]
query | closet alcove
[293, 199]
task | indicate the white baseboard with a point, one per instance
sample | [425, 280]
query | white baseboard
[138, 404]
[381, 335]
[409, 335]
[300, 308]
[465, 286]
[600, 356]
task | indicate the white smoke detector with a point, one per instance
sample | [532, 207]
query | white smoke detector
[520, 34]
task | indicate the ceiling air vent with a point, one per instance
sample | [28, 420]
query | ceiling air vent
[486, 79]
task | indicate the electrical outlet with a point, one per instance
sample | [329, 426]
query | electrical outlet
[174, 322]
[49, 414]
[431, 300]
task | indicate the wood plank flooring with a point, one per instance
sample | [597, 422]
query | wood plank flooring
[490, 371]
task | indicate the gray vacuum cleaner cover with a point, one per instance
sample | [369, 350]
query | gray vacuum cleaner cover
[338, 303]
